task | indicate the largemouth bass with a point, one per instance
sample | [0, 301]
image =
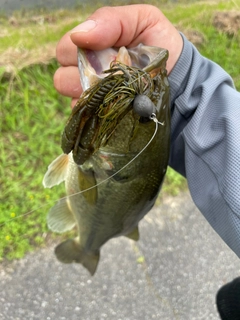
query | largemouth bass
[111, 124]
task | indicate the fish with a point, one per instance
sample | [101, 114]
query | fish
[115, 147]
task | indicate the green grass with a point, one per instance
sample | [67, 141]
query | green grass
[31, 118]
[32, 115]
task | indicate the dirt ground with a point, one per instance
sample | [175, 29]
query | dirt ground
[227, 22]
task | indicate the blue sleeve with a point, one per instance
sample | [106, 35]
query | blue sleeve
[205, 145]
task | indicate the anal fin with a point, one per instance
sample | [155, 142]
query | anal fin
[70, 251]
[134, 234]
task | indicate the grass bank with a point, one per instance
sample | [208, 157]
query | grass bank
[32, 113]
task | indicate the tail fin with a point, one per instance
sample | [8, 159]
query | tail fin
[70, 251]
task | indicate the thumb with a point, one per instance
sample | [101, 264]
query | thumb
[116, 26]
[128, 26]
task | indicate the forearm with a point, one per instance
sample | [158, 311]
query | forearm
[205, 140]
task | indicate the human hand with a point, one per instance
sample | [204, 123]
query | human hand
[114, 27]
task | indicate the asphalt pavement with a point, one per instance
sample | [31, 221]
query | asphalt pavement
[172, 272]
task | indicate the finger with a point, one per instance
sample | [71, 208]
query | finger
[109, 27]
[67, 82]
[103, 29]
[66, 51]
[116, 26]
[128, 26]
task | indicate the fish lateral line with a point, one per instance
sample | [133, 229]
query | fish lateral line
[153, 118]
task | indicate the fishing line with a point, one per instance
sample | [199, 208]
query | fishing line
[153, 118]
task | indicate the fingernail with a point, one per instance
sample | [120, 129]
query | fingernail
[85, 26]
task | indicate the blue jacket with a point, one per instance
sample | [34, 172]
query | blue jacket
[205, 145]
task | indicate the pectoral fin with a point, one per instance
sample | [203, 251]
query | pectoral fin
[70, 251]
[56, 172]
[134, 235]
[86, 180]
[60, 218]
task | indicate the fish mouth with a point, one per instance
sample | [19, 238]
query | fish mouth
[143, 56]
[91, 64]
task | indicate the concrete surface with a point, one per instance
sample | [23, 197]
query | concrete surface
[173, 272]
